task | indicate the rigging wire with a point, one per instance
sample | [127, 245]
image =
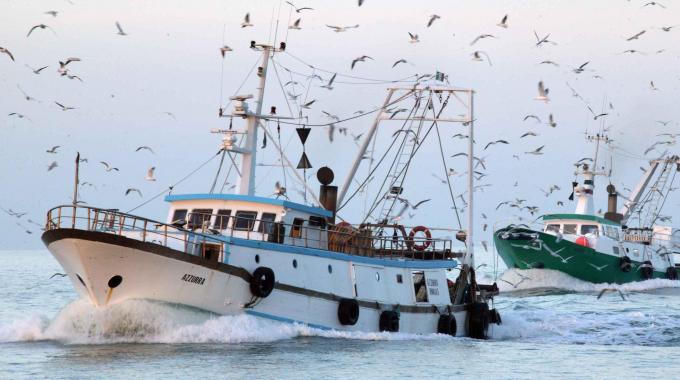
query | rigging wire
[446, 174]
[341, 74]
[406, 79]
[351, 117]
[176, 183]
[370, 174]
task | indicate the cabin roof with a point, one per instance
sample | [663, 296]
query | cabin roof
[591, 218]
[252, 199]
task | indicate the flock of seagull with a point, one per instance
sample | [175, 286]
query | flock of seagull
[66, 67]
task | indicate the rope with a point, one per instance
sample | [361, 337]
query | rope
[446, 174]
[175, 184]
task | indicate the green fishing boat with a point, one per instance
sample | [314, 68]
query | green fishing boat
[627, 245]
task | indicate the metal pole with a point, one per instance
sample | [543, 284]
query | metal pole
[362, 149]
[249, 159]
[470, 260]
[75, 185]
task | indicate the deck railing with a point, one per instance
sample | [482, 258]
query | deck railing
[386, 241]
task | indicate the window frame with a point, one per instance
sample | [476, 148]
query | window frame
[549, 229]
[221, 215]
[296, 228]
[596, 229]
[251, 222]
[265, 222]
[174, 218]
[564, 229]
[199, 213]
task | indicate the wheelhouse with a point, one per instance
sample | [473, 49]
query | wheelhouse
[581, 225]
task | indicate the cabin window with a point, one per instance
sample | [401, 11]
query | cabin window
[296, 231]
[199, 216]
[317, 221]
[569, 229]
[419, 286]
[266, 223]
[552, 228]
[611, 232]
[245, 220]
[222, 219]
[589, 229]
[179, 216]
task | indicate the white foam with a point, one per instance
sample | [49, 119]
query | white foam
[151, 322]
[552, 279]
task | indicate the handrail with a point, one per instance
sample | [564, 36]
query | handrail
[357, 241]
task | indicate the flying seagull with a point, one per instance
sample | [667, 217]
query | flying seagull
[339, 29]
[551, 121]
[504, 22]
[133, 190]
[120, 29]
[225, 49]
[63, 107]
[636, 36]
[53, 150]
[108, 167]
[308, 104]
[605, 290]
[481, 36]
[495, 142]
[62, 65]
[52, 13]
[37, 71]
[5, 51]
[398, 62]
[363, 58]
[298, 10]
[246, 21]
[329, 85]
[542, 92]
[432, 19]
[145, 147]
[413, 37]
[536, 151]
[477, 56]
[40, 26]
[296, 25]
[149, 174]
[52, 166]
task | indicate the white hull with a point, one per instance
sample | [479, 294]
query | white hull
[307, 295]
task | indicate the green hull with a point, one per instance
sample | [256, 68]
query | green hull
[573, 259]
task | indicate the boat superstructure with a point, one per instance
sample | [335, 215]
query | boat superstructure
[625, 245]
[277, 259]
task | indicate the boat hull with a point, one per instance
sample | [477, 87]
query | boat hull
[155, 272]
[549, 252]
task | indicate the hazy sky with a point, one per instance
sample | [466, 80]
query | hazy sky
[170, 62]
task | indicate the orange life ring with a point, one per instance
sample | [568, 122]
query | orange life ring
[428, 238]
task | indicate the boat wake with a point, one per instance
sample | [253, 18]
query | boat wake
[533, 282]
[138, 321]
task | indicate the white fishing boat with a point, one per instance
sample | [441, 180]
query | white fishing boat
[273, 258]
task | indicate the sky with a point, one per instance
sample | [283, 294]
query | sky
[169, 61]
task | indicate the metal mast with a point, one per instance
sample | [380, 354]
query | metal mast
[249, 159]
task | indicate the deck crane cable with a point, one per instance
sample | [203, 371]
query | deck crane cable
[176, 183]
[417, 147]
[446, 174]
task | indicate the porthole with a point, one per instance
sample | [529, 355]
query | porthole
[294, 263]
[115, 281]
[257, 259]
[330, 268]
[377, 276]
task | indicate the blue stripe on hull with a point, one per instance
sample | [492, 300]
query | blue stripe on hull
[283, 319]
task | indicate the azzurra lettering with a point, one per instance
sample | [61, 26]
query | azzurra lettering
[193, 279]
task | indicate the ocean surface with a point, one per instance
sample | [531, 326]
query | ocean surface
[553, 326]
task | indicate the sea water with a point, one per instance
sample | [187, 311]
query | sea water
[553, 326]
